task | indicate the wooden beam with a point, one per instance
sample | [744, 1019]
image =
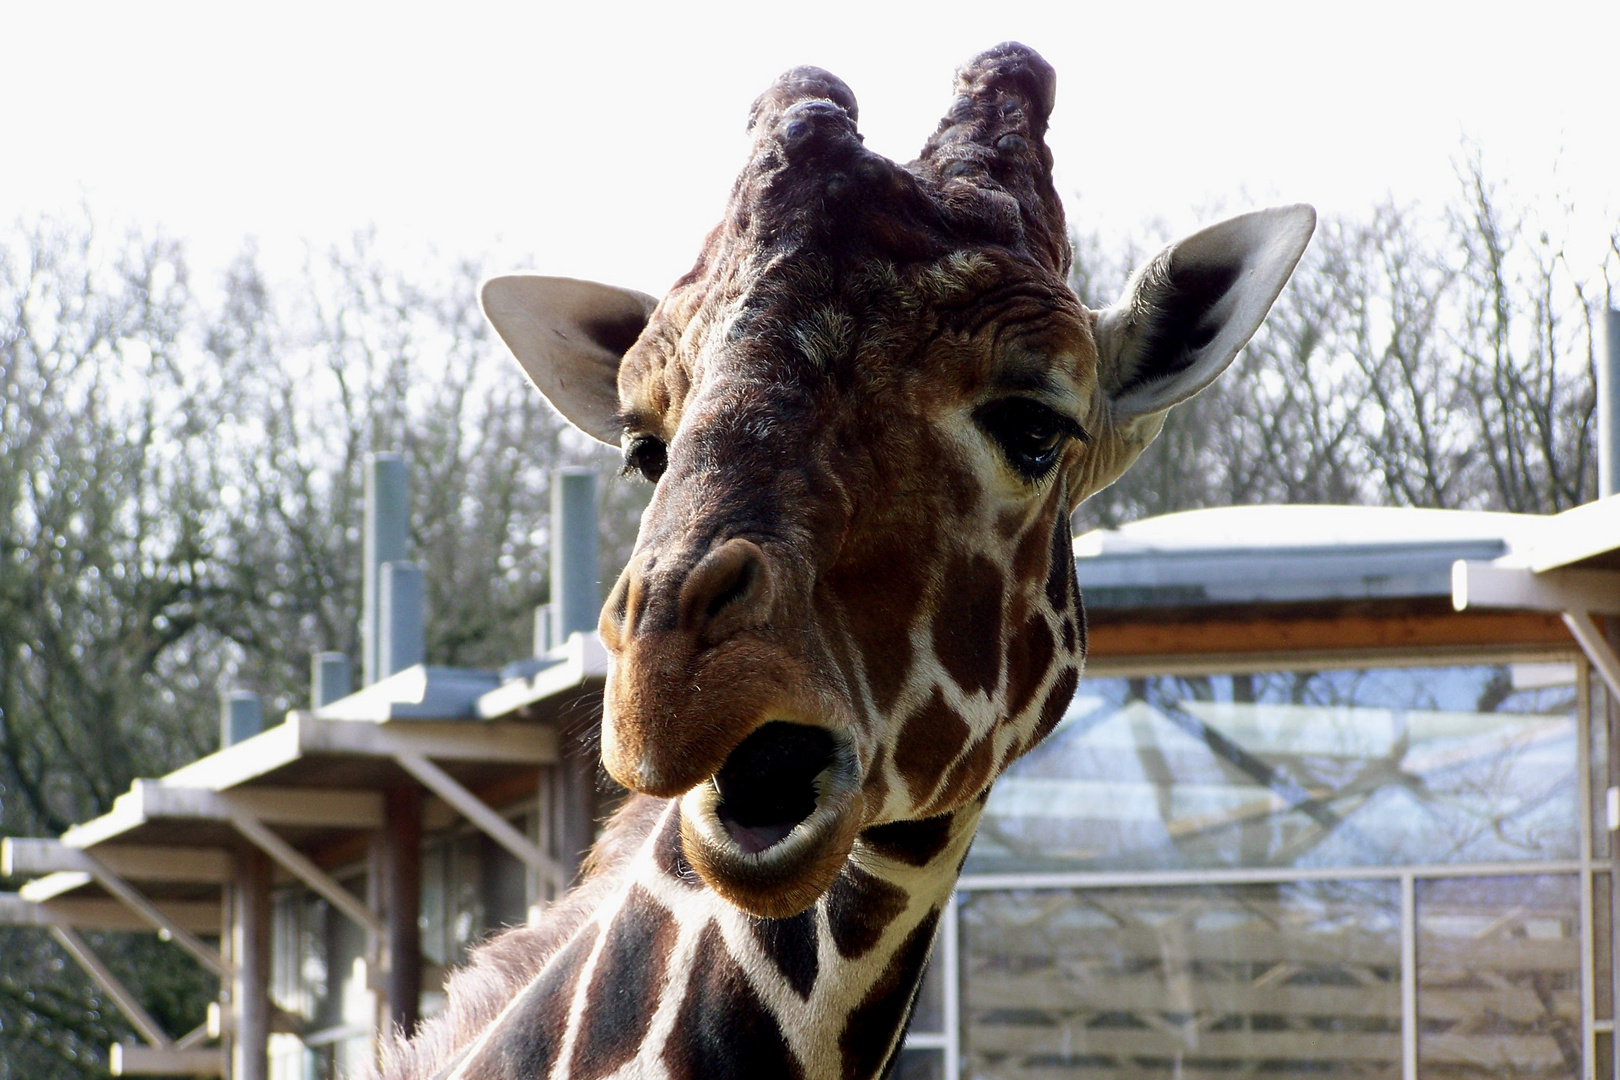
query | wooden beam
[1280, 634]
[129, 1060]
[30, 855]
[1488, 585]
[250, 957]
[305, 870]
[1597, 649]
[146, 1027]
[478, 812]
[155, 915]
[400, 862]
[517, 743]
[1588, 534]
[101, 913]
[316, 807]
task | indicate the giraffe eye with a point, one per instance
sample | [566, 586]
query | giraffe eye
[1030, 435]
[647, 455]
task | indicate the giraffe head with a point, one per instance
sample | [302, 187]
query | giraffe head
[869, 409]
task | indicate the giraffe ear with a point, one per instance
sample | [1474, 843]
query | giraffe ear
[570, 336]
[1185, 315]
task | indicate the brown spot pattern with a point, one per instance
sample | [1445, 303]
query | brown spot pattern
[970, 774]
[928, 743]
[528, 1046]
[886, 583]
[877, 1022]
[1060, 583]
[860, 906]
[1029, 658]
[791, 945]
[724, 1031]
[915, 843]
[1057, 700]
[967, 625]
[625, 987]
[1030, 559]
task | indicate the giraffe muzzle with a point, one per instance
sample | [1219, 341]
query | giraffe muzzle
[774, 825]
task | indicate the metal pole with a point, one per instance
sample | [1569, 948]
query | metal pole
[331, 678]
[401, 618]
[576, 599]
[1608, 406]
[387, 526]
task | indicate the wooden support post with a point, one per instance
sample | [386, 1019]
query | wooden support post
[1610, 718]
[401, 866]
[576, 804]
[250, 955]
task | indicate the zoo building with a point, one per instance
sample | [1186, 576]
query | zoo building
[1335, 798]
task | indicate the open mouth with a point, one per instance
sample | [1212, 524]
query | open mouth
[768, 784]
[772, 828]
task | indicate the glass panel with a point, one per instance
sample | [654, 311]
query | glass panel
[928, 1015]
[920, 1065]
[1297, 768]
[1602, 949]
[1499, 988]
[434, 920]
[505, 886]
[1281, 980]
[1602, 778]
[466, 910]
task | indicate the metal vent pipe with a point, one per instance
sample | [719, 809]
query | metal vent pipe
[401, 618]
[387, 528]
[331, 677]
[241, 716]
[1608, 406]
[576, 597]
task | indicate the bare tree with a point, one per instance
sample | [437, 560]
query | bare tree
[1440, 360]
[181, 489]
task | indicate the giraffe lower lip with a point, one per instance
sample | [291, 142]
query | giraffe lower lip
[772, 829]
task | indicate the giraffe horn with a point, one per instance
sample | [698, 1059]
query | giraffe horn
[803, 106]
[993, 139]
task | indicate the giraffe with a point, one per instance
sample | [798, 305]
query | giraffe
[868, 412]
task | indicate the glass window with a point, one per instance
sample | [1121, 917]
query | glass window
[928, 1014]
[470, 886]
[917, 1064]
[1300, 978]
[1498, 968]
[1365, 767]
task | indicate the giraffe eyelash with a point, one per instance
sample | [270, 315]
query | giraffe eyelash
[647, 455]
[1030, 435]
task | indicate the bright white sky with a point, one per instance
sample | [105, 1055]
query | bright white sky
[605, 141]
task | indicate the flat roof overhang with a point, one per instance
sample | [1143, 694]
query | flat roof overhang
[311, 787]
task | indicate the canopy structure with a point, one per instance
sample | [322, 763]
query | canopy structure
[194, 855]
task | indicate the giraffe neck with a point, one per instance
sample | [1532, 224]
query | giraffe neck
[659, 977]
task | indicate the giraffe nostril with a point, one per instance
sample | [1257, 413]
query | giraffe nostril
[739, 587]
[728, 591]
[768, 784]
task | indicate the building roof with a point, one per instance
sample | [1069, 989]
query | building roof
[1243, 555]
